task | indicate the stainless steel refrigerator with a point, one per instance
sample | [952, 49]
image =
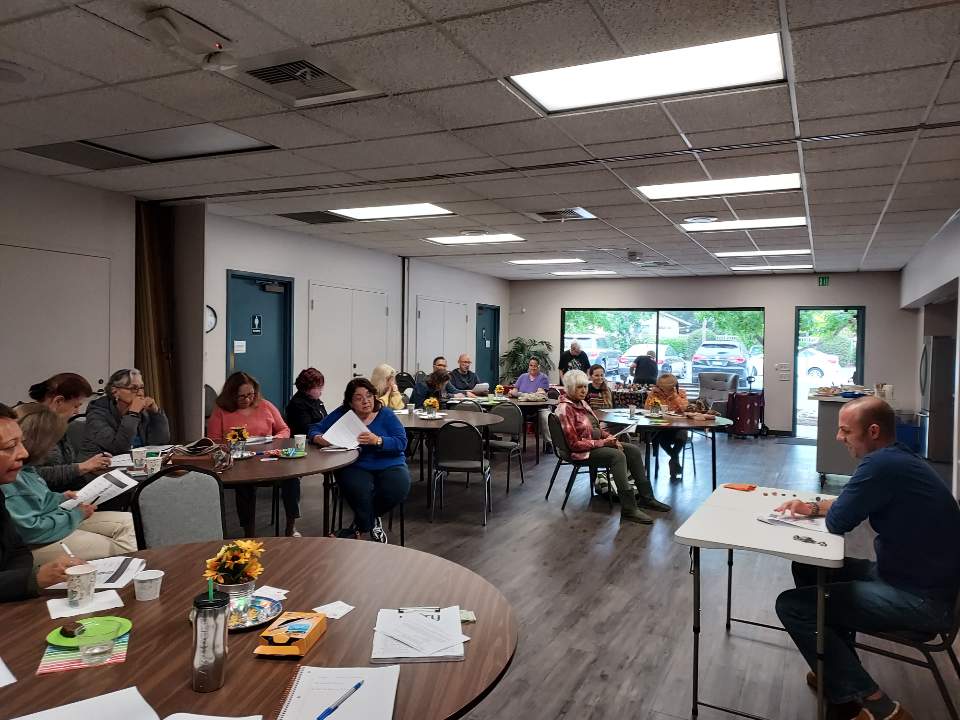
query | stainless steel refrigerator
[937, 397]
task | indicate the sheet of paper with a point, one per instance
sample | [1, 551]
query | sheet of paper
[103, 600]
[336, 449]
[334, 610]
[191, 716]
[401, 412]
[127, 704]
[343, 433]
[817, 524]
[271, 592]
[101, 489]
[319, 687]
[113, 573]
[157, 448]
[121, 461]
[387, 650]
[6, 677]
[421, 634]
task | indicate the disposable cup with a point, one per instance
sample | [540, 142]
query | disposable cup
[153, 465]
[410, 408]
[632, 409]
[139, 456]
[300, 442]
[146, 584]
[81, 583]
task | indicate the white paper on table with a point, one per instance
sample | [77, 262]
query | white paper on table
[6, 677]
[816, 524]
[259, 440]
[113, 573]
[103, 600]
[343, 433]
[317, 688]
[157, 448]
[191, 716]
[401, 412]
[420, 633]
[271, 592]
[334, 610]
[127, 704]
[101, 489]
[121, 461]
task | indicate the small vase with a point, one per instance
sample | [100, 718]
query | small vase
[240, 595]
[237, 448]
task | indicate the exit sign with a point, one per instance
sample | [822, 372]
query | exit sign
[823, 280]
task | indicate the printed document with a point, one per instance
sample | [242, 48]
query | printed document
[101, 489]
[344, 431]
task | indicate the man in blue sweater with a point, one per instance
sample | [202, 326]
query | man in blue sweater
[913, 584]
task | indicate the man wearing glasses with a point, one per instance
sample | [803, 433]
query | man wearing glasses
[124, 418]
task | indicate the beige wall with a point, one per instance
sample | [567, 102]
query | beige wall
[535, 312]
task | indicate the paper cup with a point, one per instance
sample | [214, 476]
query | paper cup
[81, 582]
[139, 456]
[146, 584]
[153, 465]
[632, 409]
[300, 442]
[410, 408]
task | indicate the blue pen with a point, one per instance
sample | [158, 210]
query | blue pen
[343, 698]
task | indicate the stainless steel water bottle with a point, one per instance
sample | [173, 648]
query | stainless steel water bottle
[210, 641]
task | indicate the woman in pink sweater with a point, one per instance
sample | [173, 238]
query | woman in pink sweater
[241, 404]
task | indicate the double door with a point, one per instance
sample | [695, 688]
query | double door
[348, 335]
[441, 330]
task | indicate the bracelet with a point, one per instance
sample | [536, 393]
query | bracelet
[815, 507]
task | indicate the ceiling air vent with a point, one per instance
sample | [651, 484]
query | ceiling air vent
[316, 217]
[300, 78]
[634, 258]
[575, 213]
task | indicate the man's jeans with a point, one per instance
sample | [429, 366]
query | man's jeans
[857, 600]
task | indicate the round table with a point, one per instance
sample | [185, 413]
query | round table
[369, 576]
[273, 472]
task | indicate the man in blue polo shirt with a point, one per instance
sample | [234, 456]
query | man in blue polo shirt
[913, 584]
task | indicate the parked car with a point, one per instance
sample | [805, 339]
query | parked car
[816, 364]
[667, 360]
[727, 356]
[755, 361]
[598, 348]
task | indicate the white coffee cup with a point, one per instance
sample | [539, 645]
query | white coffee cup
[81, 583]
[146, 584]
[139, 456]
[300, 442]
[633, 410]
[153, 465]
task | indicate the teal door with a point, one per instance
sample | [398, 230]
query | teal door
[487, 361]
[259, 312]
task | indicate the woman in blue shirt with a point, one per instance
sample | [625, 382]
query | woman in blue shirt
[379, 479]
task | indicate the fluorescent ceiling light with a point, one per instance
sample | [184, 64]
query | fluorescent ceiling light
[547, 261]
[744, 224]
[393, 212]
[761, 253]
[474, 239]
[673, 72]
[730, 186]
[583, 272]
[772, 267]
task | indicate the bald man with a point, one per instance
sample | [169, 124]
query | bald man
[912, 585]
[462, 377]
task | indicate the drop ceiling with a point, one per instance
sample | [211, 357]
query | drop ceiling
[446, 129]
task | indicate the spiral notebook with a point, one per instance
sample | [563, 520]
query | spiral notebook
[313, 689]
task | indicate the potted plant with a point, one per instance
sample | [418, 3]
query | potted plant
[514, 361]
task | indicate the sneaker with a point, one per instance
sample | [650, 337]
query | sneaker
[898, 714]
[653, 504]
[377, 533]
[347, 533]
[636, 516]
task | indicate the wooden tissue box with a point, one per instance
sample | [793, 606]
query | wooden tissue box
[276, 640]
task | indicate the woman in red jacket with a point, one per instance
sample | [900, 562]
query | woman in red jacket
[587, 441]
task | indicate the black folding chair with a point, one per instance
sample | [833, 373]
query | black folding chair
[511, 427]
[562, 451]
[460, 449]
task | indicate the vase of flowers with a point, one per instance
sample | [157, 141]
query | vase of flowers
[234, 571]
[236, 438]
[498, 391]
[430, 407]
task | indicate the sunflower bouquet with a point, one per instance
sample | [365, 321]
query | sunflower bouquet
[498, 390]
[236, 435]
[431, 405]
[236, 563]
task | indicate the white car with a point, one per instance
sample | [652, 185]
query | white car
[816, 365]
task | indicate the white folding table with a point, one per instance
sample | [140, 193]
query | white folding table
[728, 521]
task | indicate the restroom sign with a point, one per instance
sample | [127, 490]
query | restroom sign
[256, 325]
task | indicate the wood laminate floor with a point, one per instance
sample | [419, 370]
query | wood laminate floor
[605, 611]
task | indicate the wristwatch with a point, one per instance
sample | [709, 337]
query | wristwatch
[379, 441]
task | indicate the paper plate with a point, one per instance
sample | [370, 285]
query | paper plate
[91, 626]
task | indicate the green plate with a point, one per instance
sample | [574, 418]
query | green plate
[91, 626]
[293, 455]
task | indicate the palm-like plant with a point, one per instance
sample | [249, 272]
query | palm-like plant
[514, 361]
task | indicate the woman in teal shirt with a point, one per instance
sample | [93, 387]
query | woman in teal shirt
[35, 508]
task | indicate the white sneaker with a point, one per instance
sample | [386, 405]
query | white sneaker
[377, 533]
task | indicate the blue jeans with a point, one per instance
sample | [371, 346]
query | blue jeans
[372, 493]
[857, 600]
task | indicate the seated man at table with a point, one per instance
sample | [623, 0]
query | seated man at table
[124, 418]
[18, 578]
[462, 378]
[914, 582]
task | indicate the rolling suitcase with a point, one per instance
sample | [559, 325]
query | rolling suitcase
[746, 411]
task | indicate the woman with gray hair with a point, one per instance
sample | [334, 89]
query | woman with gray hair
[589, 442]
[124, 418]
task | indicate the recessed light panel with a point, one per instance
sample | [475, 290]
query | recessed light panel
[474, 239]
[188, 141]
[574, 273]
[745, 224]
[546, 261]
[761, 253]
[768, 268]
[393, 212]
[730, 186]
[733, 63]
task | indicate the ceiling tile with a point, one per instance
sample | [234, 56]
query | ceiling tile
[820, 12]
[515, 137]
[677, 171]
[540, 36]
[858, 123]
[923, 37]
[53, 79]
[14, 137]
[545, 156]
[441, 9]
[611, 125]
[758, 133]
[585, 179]
[429, 60]
[928, 172]
[432, 147]
[752, 164]
[36, 164]
[868, 93]
[13, 9]
[649, 146]
[883, 176]
[372, 119]
[286, 130]
[758, 106]
[207, 95]
[470, 105]
[766, 200]
[932, 149]
[431, 168]
[67, 38]
[873, 154]
[950, 92]
[510, 187]
[945, 113]
[278, 163]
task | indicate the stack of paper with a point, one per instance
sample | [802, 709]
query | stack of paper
[418, 637]
[113, 573]
[343, 433]
[817, 524]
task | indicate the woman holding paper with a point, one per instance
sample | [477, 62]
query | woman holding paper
[379, 479]
[36, 511]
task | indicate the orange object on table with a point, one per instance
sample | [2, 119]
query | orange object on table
[745, 487]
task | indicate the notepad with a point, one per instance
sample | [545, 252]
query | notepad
[389, 648]
[313, 689]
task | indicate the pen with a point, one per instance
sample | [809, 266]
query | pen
[330, 710]
[64, 547]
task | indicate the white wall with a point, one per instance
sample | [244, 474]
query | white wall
[235, 245]
[535, 312]
[936, 265]
[439, 282]
[46, 214]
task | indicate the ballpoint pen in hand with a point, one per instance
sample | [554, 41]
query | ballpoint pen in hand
[343, 698]
[63, 546]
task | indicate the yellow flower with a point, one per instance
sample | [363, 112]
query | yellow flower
[498, 390]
